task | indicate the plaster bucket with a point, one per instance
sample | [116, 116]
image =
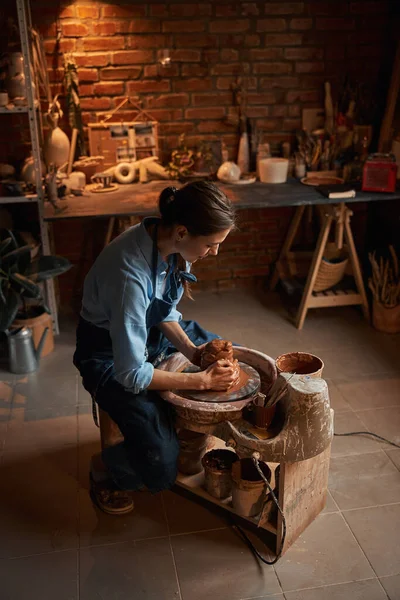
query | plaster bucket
[218, 472]
[301, 363]
[249, 490]
[192, 447]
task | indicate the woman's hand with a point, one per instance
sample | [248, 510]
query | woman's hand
[219, 376]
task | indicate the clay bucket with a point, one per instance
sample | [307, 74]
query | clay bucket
[249, 489]
[192, 447]
[301, 363]
[218, 472]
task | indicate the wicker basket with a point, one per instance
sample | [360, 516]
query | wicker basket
[330, 273]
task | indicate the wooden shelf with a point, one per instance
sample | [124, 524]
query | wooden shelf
[18, 199]
[11, 109]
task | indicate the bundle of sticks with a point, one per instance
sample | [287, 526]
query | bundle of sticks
[385, 281]
[276, 392]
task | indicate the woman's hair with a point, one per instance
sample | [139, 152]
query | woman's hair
[200, 206]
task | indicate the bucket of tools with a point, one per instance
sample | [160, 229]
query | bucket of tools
[217, 466]
[249, 490]
[300, 363]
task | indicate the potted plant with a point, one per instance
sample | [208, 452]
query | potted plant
[21, 301]
[385, 287]
[190, 163]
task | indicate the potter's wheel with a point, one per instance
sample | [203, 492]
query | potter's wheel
[247, 386]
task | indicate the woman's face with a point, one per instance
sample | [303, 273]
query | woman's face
[193, 248]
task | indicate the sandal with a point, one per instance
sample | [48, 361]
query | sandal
[110, 501]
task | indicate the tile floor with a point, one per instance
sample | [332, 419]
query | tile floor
[55, 545]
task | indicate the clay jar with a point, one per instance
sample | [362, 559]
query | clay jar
[57, 145]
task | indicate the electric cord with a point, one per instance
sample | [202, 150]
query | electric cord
[246, 539]
[379, 437]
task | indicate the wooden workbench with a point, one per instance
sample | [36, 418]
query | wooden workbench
[141, 199]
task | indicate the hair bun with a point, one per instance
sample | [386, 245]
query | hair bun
[167, 198]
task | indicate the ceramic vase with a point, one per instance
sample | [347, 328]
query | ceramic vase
[56, 149]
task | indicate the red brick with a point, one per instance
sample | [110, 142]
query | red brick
[56, 75]
[149, 85]
[179, 26]
[301, 24]
[257, 111]
[339, 7]
[179, 128]
[95, 103]
[131, 57]
[334, 52]
[252, 40]
[205, 113]
[229, 54]
[362, 8]
[190, 10]
[278, 110]
[162, 114]
[268, 124]
[248, 9]
[266, 54]
[86, 89]
[304, 53]
[88, 75]
[158, 70]
[265, 98]
[103, 43]
[271, 25]
[193, 85]
[170, 100]
[209, 56]
[99, 59]
[291, 124]
[272, 68]
[267, 83]
[225, 83]
[47, 30]
[195, 70]
[145, 26]
[109, 89]
[158, 10]
[231, 259]
[302, 96]
[156, 40]
[294, 110]
[231, 69]
[315, 81]
[186, 55]
[67, 12]
[195, 40]
[251, 272]
[74, 29]
[124, 10]
[105, 28]
[335, 23]
[211, 99]
[226, 10]
[229, 26]
[309, 67]
[283, 39]
[113, 74]
[283, 8]
[87, 12]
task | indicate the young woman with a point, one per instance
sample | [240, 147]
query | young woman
[129, 323]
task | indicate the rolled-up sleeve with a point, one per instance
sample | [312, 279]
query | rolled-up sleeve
[128, 333]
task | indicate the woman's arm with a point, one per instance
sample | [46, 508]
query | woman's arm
[178, 338]
[218, 376]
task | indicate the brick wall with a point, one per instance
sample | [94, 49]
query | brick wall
[284, 51]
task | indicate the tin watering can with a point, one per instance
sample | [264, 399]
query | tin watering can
[23, 356]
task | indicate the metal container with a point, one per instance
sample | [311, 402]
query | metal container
[23, 356]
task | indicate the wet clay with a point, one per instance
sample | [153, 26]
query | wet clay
[300, 363]
[222, 350]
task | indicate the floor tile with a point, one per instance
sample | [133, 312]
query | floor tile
[392, 586]
[337, 401]
[394, 455]
[371, 392]
[356, 590]
[353, 444]
[356, 361]
[146, 521]
[330, 506]
[83, 396]
[378, 533]
[41, 430]
[46, 391]
[383, 421]
[217, 565]
[364, 480]
[38, 503]
[138, 570]
[325, 553]
[47, 577]
[187, 516]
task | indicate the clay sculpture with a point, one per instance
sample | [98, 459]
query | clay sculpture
[219, 350]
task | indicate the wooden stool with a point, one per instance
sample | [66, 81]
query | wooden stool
[340, 215]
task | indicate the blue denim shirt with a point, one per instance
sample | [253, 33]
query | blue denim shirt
[117, 292]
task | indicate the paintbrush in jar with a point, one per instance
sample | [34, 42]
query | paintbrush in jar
[277, 391]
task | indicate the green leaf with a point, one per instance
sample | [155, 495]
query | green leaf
[6, 233]
[47, 267]
[17, 257]
[9, 311]
[4, 245]
[30, 289]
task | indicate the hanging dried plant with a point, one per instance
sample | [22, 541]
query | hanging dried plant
[71, 82]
